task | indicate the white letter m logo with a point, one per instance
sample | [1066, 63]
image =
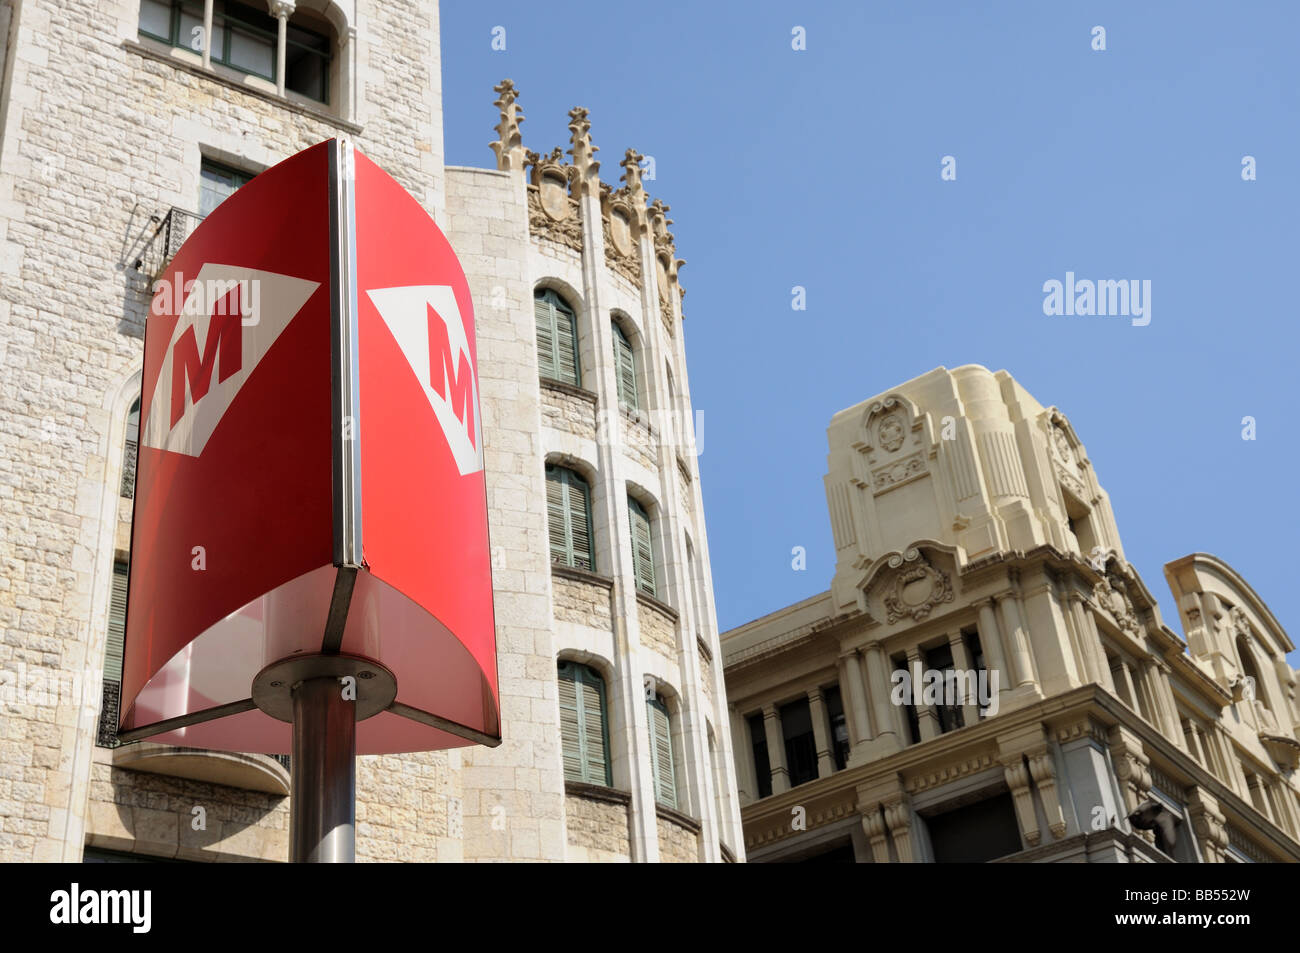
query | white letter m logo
[426, 323]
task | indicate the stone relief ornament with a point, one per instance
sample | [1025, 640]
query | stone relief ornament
[551, 212]
[1111, 594]
[882, 478]
[916, 589]
[891, 433]
[508, 147]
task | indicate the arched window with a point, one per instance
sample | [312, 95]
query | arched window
[661, 752]
[584, 736]
[568, 513]
[625, 369]
[557, 338]
[643, 550]
[130, 451]
[1255, 685]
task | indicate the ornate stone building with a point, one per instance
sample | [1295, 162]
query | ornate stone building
[123, 122]
[988, 678]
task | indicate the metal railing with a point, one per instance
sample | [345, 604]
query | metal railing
[167, 238]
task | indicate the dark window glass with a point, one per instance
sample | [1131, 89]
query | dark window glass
[762, 767]
[939, 659]
[979, 832]
[839, 727]
[800, 743]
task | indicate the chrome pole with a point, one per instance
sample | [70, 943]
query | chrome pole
[323, 778]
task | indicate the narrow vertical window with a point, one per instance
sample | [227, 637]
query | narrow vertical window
[557, 338]
[568, 513]
[661, 753]
[112, 686]
[762, 764]
[130, 452]
[625, 368]
[643, 553]
[584, 736]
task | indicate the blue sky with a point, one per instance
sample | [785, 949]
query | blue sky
[821, 168]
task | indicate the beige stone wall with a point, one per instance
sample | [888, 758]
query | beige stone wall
[568, 413]
[134, 811]
[639, 442]
[657, 631]
[685, 494]
[513, 794]
[677, 844]
[706, 677]
[585, 603]
[597, 830]
[97, 138]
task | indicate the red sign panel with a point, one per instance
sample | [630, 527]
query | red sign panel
[310, 418]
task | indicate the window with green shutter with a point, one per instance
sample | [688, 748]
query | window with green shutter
[661, 753]
[568, 513]
[584, 738]
[625, 368]
[557, 338]
[643, 551]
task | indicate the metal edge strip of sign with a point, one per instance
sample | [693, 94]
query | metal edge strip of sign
[344, 367]
[442, 724]
[185, 721]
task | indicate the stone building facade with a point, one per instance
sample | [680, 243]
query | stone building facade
[121, 121]
[1052, 714]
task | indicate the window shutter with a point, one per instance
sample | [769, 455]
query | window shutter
[626, 369]
[116, 625]
[568, 513]
[544, 313]
[661, 755]
[556, 512]
[582, 724]
[595, 763]
[566, 347]
[579, 524]
[570, 725]
[643, 560]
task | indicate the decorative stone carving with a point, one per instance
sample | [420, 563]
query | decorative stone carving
[900, 471]
[1111, 593]
[1043, 770]
[619, 224]
[916, 589]
[890, 432]
[551, 212]
[585, 174]
[666, 262]
[509, 147]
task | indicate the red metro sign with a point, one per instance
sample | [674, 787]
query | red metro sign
[310, 477]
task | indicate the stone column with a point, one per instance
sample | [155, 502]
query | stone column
[925, 715]
[1019, 642]
[281, 10]
[207, 34]
[878, 680]
[970, 709]
[857, 697]
[850, 716]
[776, 749]
[817, 708]
[1089, 646]
[991, 643]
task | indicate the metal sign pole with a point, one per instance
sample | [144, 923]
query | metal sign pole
[323, 780]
